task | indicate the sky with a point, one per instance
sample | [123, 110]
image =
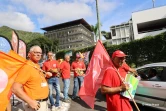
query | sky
[32, 15]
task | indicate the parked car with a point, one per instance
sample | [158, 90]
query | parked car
[151, 90]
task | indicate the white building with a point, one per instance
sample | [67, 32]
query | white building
[120, 33]
[149, 22]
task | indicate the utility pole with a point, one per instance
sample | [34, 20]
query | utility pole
[153, 3]
[98, 20]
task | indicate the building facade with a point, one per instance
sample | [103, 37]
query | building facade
[71, 35]
[143, 23]
[149, 22]
[120, 33]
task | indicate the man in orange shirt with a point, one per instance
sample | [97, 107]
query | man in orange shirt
[9, 107]
[52, 66]
[65, 70]
[78, 67]
[30, 84]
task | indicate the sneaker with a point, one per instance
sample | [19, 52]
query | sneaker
[63, 108]
[73, 98]
[65, 105]
[56, 108]
[53, 108]
[66, 100]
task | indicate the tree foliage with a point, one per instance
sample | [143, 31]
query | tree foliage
[31, 38]
[23, 35]
[107, 35]
[45, 43]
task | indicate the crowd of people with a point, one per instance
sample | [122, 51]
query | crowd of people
[35, 86]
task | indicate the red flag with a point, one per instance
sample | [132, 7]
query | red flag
[9, 66]
[22, 48]
[14, 41]
[94, 74]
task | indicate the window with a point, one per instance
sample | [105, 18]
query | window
[151, 73]
[151, 26]
[124, 40]
[113, 32]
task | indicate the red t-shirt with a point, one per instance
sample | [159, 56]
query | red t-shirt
[65, 68]
[47, 65]
[116, 102]
[76, 65]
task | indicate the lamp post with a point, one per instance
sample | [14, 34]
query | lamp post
[98, 20]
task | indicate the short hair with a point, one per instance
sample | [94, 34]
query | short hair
[33, 47]
[66, 55]
[50, 52]
[153, 71]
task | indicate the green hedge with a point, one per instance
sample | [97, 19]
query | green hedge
[147, 50]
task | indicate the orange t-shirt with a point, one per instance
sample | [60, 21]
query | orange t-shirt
[32, 81]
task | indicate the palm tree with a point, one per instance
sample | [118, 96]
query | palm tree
[95, 31]
[107, 35]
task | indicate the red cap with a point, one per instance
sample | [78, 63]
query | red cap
[118, 53]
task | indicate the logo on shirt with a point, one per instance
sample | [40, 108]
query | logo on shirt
[54, 65]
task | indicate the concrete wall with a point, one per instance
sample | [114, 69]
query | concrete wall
[146, 16]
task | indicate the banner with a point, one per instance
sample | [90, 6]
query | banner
[86, 57]
[22, 48]
[14, 41]
[94, 74]
[133, 83]
[9, 66]
[5, 45]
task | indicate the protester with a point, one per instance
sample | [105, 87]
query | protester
[52, 66]
[65, 70]
[112, 85]
[78, 67]
[30, 84]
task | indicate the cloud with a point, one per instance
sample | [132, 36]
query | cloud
[107, 5]
[16, 20]
[51, 11]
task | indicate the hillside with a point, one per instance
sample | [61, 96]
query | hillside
[25, 36]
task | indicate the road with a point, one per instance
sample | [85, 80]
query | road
[79, 105]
